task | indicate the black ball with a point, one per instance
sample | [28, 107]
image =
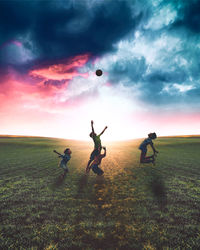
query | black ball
[99, 72]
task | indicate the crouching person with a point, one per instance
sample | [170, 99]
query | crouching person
[97, 161]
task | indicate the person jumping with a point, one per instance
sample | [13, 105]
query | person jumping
[65, 158]
[97, 161]
[97, 144]
[143, 148]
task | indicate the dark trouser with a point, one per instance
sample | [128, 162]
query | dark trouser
[144, 158]
[96, 169]
[93, 154]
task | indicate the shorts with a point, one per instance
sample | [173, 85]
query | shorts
[94, 153]
[64, 166]
[144, 150]
[96, 169]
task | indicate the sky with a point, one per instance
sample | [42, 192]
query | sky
[148, 50]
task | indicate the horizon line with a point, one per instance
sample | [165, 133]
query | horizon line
[49, 137]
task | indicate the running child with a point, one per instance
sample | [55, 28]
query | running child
[97, 161]
[143, 148]
[97, 144]
[65, 158]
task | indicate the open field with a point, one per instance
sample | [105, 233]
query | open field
[132, 206]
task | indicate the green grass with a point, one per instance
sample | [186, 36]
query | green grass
[132, 207]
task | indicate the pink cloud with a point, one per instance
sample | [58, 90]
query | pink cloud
[39, 87]
[96, 60]
[65, 70]
[108, 84]
[15, 42]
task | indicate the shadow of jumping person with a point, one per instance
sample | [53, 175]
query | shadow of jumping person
[151, 177]
[158, 189]
[58, 182]
[82, 184]
[99, 193]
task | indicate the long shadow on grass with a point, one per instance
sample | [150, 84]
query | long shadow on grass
[154, 181]
[82, 185]
[58, 182]
[158, 189]
[99, 189]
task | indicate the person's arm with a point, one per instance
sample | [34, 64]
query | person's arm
[103, 131]
[92, 126]
[104, 155]
[154, 150]
[57, 153]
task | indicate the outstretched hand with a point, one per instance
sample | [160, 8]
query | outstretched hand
[155, 153]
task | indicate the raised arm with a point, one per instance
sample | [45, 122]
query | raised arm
[92, 126]
[103, 130]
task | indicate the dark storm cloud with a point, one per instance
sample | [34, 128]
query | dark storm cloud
[131, 69]
[171, 32]
[15, 18]
[188, 15]
[164, 76]
[58, 30]
[194, 94]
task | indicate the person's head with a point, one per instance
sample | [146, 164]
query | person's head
[152, 136]
[92, 134]
[67, 151]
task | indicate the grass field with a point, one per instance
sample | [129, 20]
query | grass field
[132, 206]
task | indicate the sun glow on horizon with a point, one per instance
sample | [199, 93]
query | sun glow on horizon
[124, 119]
[111, 111]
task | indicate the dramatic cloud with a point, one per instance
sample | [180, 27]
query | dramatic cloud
[188, 15]
[148, 50]
[65, 70]
[58, 29]
[161, 59]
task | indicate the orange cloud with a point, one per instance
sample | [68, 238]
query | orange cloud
[66, 70]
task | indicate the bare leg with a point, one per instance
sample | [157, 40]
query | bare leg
[89, 163]
[88, 166]
[147, 161]
[65, 172]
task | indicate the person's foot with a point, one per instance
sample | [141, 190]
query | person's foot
[65, 173]
[153, 161]
[87, 170]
